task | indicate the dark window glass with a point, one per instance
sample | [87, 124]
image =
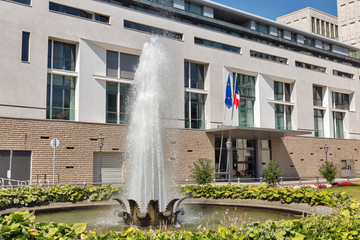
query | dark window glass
[261, 27]
[194, 8]
[112, 63]
[340, 100]
[268, 57]
[102, 18]
[318, 123]
[343, 74]
[310, 66]
[111, 102]
[61, 100]
[69, 10]
[64, 56]
[27, 2]
[25, 47]
[49, 53]
[279, 116]
[152, 30]
[197, 76]
[287, 92]
[317, 94]
[338, 122]
[128, 64]
[278, 91]
[186, 74]
[217, 45]
[194, 110]
[165, 2]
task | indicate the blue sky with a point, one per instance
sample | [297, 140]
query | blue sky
[274, 8]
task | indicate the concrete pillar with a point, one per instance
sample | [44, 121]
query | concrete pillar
[259, 159]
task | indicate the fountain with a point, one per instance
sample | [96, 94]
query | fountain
[148, 180]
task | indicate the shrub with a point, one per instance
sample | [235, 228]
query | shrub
[272, 173]
[203, 171]
[329, 171]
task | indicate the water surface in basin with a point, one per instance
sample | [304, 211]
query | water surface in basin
[197, 217]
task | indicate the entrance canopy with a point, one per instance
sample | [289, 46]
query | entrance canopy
[254, 133]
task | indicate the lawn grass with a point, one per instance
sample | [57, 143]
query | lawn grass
[350, 190]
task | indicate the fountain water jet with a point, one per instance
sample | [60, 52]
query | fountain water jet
[151, 91]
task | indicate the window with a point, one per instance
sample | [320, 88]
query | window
[327, 30]
[261, 27]
[283, 117]
[317, 96]
[60, 97]
[310, 66]
[194, 110]
[332, 30]
[318, 26]
[165, 2]
[309, 41]
[313, 24]
[282, 91]
[25, 47]
[27, 2]
[78, 12]
[61, 55]
[322, 28]
[319, 123]
[152, 30]
[194, 8]
[117, 95]
[247, 99]
[280, 33]
[268, 57]
[124, 67]
[212, 44]
[338, 118]
[194, 75]
[343, 74]
[340, 100]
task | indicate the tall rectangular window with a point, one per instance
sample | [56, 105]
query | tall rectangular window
[338, 123]
[60, 97]
[261, 27]
[318, 26]
[117, 103]
[283, 117]
[282, 91]
[317, 96]
[25, 48]
[340, 100]
[123, 67]
[319, 123]
[194, 75]
[61, 55]
[194, 8]
[313, 24]
[194, 110]
[247, 99]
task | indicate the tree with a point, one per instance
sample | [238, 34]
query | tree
[203, 171]
[272, 173]
[329, 171]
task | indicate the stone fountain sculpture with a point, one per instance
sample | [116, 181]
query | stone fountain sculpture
[152, 216]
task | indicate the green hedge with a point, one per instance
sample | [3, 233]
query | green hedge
[285, 195]
[31, 196]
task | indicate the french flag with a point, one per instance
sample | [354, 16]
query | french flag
[236, 94]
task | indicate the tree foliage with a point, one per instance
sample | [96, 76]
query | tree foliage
[272, 173]
[203, 171]
[329, 171]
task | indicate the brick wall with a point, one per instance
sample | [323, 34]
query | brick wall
[78, 144]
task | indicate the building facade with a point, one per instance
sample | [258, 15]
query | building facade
[349, 17]
[67, 68]
[312, 20]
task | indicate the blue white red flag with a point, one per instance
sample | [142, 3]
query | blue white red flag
[236, 94]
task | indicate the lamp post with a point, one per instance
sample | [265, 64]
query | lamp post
[326, 149]
[100, 140]
[229, 162]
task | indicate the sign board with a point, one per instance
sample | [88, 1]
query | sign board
[8, 173]
[54, 142]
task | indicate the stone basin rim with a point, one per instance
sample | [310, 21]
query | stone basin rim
[295, 208]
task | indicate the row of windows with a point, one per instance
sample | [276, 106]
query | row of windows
[343, 74]
[268, 57]
[27, 2]
[152, 30]
[339, 100]
[310, 66]
[325, 28]
[78, 12]
[218, 45]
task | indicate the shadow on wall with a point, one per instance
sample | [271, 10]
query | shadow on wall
[283, 158]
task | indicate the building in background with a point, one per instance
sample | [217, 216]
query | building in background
[67, 68]
[312, 20]
[349, 25]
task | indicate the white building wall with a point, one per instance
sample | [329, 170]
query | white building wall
[28, 80]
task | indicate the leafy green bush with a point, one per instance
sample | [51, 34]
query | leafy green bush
[272, 173]
[329, 171]
[203, 171]
[285, 195]
[30, 196]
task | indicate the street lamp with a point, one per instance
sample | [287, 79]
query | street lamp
[326, 149]
[100, 140]
[229, 162]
